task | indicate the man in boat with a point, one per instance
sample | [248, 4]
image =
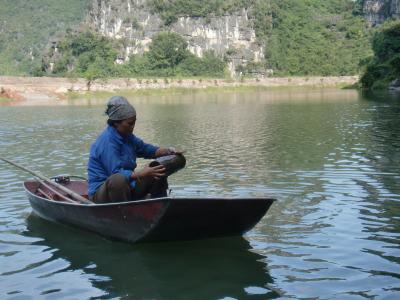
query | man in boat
[112, 160]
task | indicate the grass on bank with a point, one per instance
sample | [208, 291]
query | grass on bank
[4, 100]
[191, 90]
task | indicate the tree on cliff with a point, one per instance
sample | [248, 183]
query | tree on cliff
[168, 56]
[384, 66]
[89, 55]
[316, 37]
[171, 10]
[167, 50]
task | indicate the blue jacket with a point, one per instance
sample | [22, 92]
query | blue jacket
[111, 153]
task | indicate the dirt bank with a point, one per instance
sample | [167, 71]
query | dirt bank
[47, 90]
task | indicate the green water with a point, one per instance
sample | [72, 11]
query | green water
[330, 157]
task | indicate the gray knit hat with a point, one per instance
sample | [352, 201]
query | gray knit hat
[118, 108]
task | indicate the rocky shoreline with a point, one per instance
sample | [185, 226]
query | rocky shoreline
[51, 90]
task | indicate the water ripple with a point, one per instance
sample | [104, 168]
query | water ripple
[333, 164]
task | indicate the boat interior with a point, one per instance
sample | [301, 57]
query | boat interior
[48, 191]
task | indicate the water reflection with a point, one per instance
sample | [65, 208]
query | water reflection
[211, 269]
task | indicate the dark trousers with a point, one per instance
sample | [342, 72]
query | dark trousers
[117, 189]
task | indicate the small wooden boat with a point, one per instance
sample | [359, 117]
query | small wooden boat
[161, 219]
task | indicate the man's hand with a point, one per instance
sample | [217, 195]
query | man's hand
[167, 151]
[154, 172]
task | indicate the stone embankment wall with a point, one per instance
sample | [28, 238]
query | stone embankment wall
[48, 89]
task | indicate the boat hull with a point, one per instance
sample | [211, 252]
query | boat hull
[162, 219]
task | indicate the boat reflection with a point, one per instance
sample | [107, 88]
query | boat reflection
[204, 269]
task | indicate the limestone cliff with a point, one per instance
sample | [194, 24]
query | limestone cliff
[133, 23]
[377, 11]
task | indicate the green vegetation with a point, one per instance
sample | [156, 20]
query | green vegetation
[312, 37]
[384, 66]
[4, 100]
[302, 37]
[26, 28]
[83, 55]
[86, 54]
[103, 95]
[171, 10]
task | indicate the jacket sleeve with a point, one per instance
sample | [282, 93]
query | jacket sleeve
[143, 149]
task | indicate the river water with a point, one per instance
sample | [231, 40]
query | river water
[331, 158]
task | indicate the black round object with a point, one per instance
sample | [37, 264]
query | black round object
[172, 163]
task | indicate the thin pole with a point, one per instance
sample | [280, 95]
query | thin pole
[44, 194]
[74, 195]
[55, 192]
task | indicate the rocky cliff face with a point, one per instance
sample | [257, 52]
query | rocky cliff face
[133, 23]
[377, 11]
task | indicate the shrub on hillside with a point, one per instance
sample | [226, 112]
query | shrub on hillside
[385, 64]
